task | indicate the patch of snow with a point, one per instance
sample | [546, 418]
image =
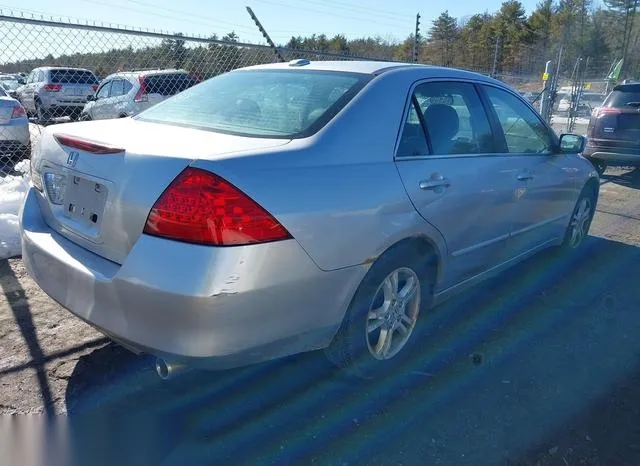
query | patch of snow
[12, 192]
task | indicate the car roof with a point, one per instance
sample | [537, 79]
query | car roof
[53, 68]
[367, 67]
[147, 72]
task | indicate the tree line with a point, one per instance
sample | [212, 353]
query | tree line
[510, 41]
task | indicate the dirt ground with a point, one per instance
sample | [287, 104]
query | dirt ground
[540, 366]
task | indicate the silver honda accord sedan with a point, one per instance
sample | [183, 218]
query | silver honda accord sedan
[291, 207]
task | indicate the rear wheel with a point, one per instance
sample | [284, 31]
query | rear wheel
[84, 117]
[380, 325]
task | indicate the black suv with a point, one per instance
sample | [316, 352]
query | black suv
[614, 130]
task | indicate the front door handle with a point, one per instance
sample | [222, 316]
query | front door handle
[434, 183]
[525, 176]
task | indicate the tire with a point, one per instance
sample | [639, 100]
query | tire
[362, 347]
[84, 117]
[41, 114]
[580, 221]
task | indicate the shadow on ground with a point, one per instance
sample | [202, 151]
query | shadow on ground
[507, 371]
[629, 179]
[15, 296]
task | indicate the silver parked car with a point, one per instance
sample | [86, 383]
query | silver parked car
[128, 93]
[52, 92]
[15, 142]
[291, 207]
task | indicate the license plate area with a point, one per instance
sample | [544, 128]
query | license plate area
[73, 91]
[84, 202]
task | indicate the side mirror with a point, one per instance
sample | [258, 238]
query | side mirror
[572, 143]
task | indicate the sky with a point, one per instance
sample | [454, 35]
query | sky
[281, 18]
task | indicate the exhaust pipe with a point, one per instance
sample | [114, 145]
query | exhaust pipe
[167, 370]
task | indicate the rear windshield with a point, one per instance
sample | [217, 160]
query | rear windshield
[621, 98]
[73, 77]
[9, 83]
[261, 103]
[168, 84]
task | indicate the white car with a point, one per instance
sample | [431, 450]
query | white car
[15, 143]
[128, 93]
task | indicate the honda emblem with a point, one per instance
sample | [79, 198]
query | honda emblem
[72, 158]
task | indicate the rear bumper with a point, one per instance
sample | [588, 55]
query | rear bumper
[15, 133]
[209, 307]
[613, 152]
[614, 158]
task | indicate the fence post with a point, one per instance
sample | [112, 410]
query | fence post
[416, 40]
[545, 100]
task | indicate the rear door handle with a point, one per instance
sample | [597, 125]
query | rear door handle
[525, 176]
[433, 184]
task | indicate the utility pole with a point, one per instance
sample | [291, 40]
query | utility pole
[416, 40]
[495, 58]
[255, 19]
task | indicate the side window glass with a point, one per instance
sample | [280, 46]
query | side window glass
[31, 77]
[523, 130]
[103, 92]
[116, 88]
[40, 76]
[127, 86]
[455, 118]
[413, 141]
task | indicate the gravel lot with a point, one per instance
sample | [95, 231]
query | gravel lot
[537, 367]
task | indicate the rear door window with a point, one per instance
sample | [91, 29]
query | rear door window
[127, 86]
[117, 88]
[73, 77]
[455, 119]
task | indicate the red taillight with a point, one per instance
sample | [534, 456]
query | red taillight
[200, 207]
[607, 111]
[18, 112]
[52, 87]
[86, 145]
[95, 87]
[141, 95]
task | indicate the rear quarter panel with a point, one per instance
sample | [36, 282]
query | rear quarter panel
[339, 192]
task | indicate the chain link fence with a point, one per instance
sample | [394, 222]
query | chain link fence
[53, 72]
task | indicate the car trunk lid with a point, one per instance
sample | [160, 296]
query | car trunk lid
[100, 179]
[7, 106]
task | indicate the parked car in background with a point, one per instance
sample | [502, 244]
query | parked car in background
[10, 83]
[52, 92]
[15, 142]
[294, 206]
[589, 101]
[614, 129]
[128, 93]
